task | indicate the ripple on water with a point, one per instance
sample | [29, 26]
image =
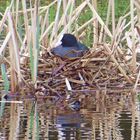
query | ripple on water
[100, 121]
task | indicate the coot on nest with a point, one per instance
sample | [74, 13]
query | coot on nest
[69, 47]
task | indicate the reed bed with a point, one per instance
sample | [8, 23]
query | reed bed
[30, 31]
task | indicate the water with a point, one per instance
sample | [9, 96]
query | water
[101, 117]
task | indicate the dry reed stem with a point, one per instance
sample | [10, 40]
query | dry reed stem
[45, 22]
[113, 16]
[64, 17]
[26, 21]
[41, 9]
[14, 46]
[55, 27]
[137, 4]
[12, 68]
[99, 19]
[76, 13]
[117, 64]
[137, 80]
[17, 14]
[107, 18]
[70, 15]
[46, 31]
[12, 102]
[69, 88]
[84, 26]
[4, 45]
[101, 35]
[95, 24]
[4, 19]
[133, 63]
[65, 3]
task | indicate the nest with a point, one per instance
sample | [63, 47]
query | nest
[96, 70]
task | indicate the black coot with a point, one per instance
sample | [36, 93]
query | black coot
[69, 47]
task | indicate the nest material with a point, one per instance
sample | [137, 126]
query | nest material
[95, 70]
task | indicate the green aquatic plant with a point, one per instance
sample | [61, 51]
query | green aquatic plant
[6, 88]
[138, 97]
[5, 78]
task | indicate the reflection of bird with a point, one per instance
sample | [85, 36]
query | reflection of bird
[69, 47]
[75, 105]
[69, 120]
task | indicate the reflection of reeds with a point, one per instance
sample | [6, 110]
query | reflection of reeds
[108, 118]
[29, 29]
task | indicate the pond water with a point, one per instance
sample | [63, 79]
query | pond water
[114, 116]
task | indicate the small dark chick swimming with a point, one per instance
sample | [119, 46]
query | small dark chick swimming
[70, 47]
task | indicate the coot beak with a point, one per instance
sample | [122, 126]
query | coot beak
[59, 42]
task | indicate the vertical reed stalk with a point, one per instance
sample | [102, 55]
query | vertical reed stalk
[45, 25]
[17, 14]
[70, 15]
[14, 53]
[99, 19]
[35, 35]
[107, 18]
[26, 21]
[137, 3]
[64, 7]
[55, 28]
[133, 62]
[95, 25]
[113, 16]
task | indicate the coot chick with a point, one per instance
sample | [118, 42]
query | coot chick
[69, 47]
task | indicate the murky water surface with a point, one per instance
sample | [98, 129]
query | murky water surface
[101, 117]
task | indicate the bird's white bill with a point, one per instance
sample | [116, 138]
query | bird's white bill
[59, 42]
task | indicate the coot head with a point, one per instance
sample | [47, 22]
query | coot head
[69, 40]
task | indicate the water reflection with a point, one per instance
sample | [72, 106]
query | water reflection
[112, 117]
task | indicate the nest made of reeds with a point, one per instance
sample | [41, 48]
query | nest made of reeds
[112, 56]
